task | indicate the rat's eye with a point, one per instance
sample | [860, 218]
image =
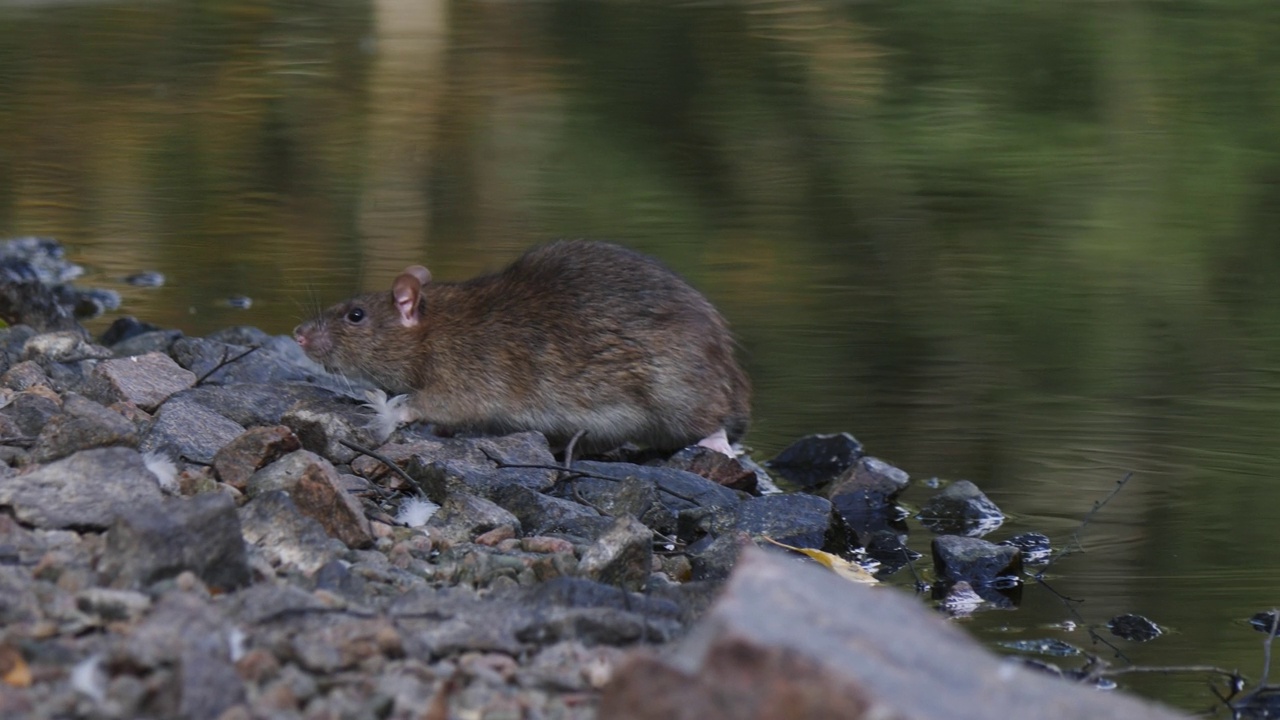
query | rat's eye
[355, 315]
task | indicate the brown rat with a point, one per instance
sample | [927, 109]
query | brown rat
[575, 335]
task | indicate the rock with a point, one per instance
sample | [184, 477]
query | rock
[124, 328]
[250, 404]
[633, 496]
[62, 347]
[85, 491]
[336, 577]
[184, 429]
[877, 653]
[314, 485]
[254, 449]
[797, 519]
[144, 380]
[153, 542]
[32, 409]
[540, 514]
[579, 609]
[273, 524]
[322, 426]
[24, 376]
[678, 490]
[468, 464]
[276, 360]
[1134, 627]
[716, 467]
[1035, 547]
[158, 341]
[32, 304]
[961, 508]
[865, 498]
[986, 566]
[83, 424]
[463, 516]
[714, 557]
[816, 459]
[622, 556]
[110, 605]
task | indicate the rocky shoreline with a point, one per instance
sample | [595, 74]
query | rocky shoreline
[202, 528]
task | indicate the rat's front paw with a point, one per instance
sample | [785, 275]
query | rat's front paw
[389, 414]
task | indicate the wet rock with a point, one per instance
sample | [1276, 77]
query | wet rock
[816, 459]
[462, 517]
[678, 489]
[865, 495]
[716, 467]
[797, 519]
[1134, 627]
[32, 304]
[889, 548]
[986, 566]
[961, 508]
[621, 556]
[254, 449]
[144, 380]
[83, 424]
[1266, 622]
[540, 514]
[273, 524]
[87, 490]
[125, 328]
[184, 429]
[152, 542]
[1035, 547]
[314, 485]
[714, 557]
[473, 464]
[877, 653]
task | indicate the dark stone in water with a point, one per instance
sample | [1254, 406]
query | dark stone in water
[1042, 646]
[1265, 622]
[797, 519]
[124, 328]
[864, 498]
[240, 302]
[148, 278]
[678, 489]
[993, 570]
[887, 548]
[1035, 547]
[1134, 627]
[961, 509]
[816, 459]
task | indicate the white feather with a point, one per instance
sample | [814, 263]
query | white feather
[415, 512]
[88, 679]
[165, 471]
[389, 414]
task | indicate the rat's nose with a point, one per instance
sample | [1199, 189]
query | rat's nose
[299, 337]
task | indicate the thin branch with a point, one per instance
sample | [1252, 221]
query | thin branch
[390, 465]
[1097, 506]
[225, 362]
[575, 473]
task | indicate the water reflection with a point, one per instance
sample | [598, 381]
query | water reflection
[1029, 245]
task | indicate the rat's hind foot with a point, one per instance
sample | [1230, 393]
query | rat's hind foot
[389, 414]
[718, 441]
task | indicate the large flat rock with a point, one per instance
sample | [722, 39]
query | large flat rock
[787, 640]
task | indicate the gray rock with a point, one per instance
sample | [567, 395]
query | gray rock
[633, 496]
[314, 485]
[251, 404]
[277, 528]
[717, 467]
[154, 542]
[622, 556]
[276, 360]
[796, 519]
[715, 556]
[112, 605]
[462, 516]
[188, 430]
[62, 347]
[977, 562]
[24, 376]
[83, 424]
[865, 497]
[961, 508]
[207, 679]
[678, 489]
[876, 653]
[541, 514]
[468, 464]
[323, 425]
[144, 380]
[21, 604]
[256, 448]
[146, 342]
[31, 411]
[87, 490]
[816, 459]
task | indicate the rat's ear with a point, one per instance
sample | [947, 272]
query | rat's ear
[407, 290]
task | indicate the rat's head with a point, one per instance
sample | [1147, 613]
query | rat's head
[370, 336]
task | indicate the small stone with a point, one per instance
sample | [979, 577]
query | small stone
[323, 427]
[544, 544]
[313, 484]
[540, 514]
[795, 519]
[83, 424]
[144, 380]
[184, 429]
[1035, 547]
[678, 490]
[986, 566]
[277, 528]
[463, 516]
[62, 347]
[123, 328]
[622, 556]
[716, 467]
[254, 449]
[32, 409]
[157, 541]
[111, 605]
[1134, 627]
[496, 535]
[23, 376]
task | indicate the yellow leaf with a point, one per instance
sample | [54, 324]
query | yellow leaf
[14, 671]
[845, 569]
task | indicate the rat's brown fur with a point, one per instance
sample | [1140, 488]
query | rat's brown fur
[573, 336]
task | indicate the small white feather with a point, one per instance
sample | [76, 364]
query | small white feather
[389, 414]
[415, 512]
[88, 679]
[165, 471]
[236, 640]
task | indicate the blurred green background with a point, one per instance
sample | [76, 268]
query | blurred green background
[1031, 244]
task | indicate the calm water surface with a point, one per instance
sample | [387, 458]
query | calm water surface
[1031, 245]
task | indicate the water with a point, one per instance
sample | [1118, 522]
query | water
[1028, 244]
